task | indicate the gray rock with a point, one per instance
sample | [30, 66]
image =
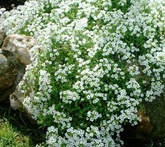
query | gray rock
[16, 100]
[156, 112]
[3, 63]
[2, 36]
[11, 72]
[14, 56]
[19, 45]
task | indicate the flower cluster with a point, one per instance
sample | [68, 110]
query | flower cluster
[93, 64]
[2, 10]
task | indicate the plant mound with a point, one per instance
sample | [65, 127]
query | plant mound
[93, 64]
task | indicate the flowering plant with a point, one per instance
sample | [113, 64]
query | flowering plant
[93, 64]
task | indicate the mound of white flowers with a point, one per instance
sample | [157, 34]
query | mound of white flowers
[93, 64]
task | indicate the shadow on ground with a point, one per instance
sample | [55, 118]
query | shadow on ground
[22, 124]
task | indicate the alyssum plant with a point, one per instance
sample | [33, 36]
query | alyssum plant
[93, 63]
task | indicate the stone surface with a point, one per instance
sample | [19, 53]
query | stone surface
[19, 45]
[14, 56]
[156, 112]
[144, 128]
[11, 73]
[16, 100]
[3, 63]
[2, 36]
[16, 103]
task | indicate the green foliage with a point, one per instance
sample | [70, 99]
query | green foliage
[9, 137]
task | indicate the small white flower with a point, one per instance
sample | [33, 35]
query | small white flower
[160, 56]
[81, 24]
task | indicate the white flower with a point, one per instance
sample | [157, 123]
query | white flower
[160, 56]
[93, 115]
[91, 62]
[81, 24]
